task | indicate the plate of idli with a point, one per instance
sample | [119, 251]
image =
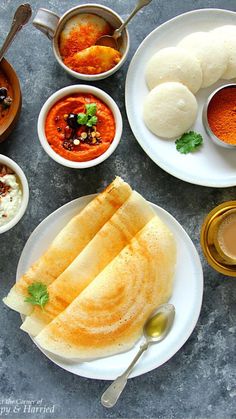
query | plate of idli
[182, 267]
[169, 80]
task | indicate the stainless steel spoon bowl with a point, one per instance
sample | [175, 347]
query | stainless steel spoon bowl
[111, 40]
[155, 330]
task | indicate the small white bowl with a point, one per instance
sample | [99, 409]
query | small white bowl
[72, 90]
[25, 192]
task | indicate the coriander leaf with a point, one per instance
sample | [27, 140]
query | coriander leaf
[91, 109]
[38, 294]
[92, 121]
[82, 118]
[30, 300]
[188, 142]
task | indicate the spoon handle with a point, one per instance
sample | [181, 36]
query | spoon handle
[113, 392]
[140, 4]
[21, 17]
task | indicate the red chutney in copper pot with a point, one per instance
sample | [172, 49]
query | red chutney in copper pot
[6, 94]
[81, 143]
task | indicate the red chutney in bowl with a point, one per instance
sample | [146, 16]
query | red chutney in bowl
[80, 141]
[6, 94]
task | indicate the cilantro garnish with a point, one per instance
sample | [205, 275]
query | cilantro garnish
[89, 117]
[82, 118]
[92, 121]
[188, 142]
[38, 294]
[91, 109]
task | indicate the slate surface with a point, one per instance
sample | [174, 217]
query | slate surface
[199, 381]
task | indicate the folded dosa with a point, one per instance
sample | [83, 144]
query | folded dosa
[108, 316]
[69, 243]
[131, 217]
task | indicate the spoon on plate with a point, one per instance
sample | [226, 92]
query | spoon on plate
[21, 17]
[111, 40]
[155, 330]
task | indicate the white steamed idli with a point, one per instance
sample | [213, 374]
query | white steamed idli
[209, 49]
[81, 31]
[228, 35]
[174, 64]
[169, 109]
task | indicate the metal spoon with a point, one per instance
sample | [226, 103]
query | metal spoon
[155, 330]
[111, 40]
[21, 17]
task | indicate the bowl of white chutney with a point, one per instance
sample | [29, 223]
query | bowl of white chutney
[14, 193]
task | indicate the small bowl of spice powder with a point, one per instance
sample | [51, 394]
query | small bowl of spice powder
[219, 116]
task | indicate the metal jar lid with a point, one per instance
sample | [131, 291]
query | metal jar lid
[208, 232]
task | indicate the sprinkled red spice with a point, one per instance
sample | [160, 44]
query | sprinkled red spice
[221, 114]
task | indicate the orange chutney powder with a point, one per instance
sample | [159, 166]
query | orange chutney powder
[56, 123]
[221, 114]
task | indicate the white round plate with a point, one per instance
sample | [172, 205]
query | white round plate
[211, 165]
[187, 296]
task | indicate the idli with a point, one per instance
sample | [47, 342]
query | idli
[82, 31]
[169, 109]
[209, 49]
[228, 35]
[174, 64]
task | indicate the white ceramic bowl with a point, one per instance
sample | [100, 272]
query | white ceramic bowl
[25, 192]
[72, 90]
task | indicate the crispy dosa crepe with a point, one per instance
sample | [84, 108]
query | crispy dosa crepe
[108, 316]
[69, 243]
[131, 217]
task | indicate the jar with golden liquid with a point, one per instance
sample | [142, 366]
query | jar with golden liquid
[218, 238]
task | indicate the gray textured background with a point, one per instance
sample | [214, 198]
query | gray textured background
[199, 381]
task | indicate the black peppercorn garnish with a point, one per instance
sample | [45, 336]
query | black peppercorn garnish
[68, 145]
[72, 120]
[3, 93]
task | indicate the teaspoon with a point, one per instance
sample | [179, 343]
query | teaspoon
[21, 17]
[155, 330]
[111, 40]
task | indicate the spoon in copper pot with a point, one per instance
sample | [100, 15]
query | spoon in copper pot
[21, 17]
[155, 330]
[111, 40]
